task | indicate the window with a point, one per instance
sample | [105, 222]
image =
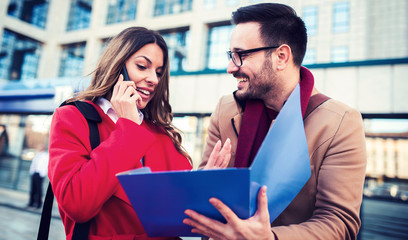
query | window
[178, 43]
[164, 7]
[30, 65]
[194, 132]
[310, 19]
[341, 17]
[310, 57]
[79, 14]
[231, 2]
[3, 67]
[218, 45]
[33, 12]
[23, 134]
[72, 60]
[19, 56]
[339, 54]
[104, 45]
[5, 53]
[209, 4]
[387, 168]
[121, 11]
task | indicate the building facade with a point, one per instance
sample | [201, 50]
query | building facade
[357, 50]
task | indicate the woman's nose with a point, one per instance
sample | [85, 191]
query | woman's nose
[152, 78]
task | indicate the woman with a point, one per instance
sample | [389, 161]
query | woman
[136, 130]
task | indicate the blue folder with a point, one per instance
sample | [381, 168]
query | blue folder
[282, 164]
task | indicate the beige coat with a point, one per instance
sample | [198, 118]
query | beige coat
[328, 205]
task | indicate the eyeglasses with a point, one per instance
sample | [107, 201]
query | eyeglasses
[236, 56]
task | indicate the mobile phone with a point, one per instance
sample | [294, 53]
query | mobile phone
[125, 74]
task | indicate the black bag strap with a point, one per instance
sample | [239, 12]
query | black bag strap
[81, 230]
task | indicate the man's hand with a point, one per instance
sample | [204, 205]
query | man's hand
[256, 227]
[219, 157]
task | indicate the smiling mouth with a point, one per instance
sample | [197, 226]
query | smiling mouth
[242, 80]
[145, 92]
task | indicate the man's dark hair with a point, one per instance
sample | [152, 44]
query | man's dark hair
[279, 25]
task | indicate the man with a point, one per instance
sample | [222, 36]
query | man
[267, 47]
[38, 171]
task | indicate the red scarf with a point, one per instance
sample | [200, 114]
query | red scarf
[257, 120]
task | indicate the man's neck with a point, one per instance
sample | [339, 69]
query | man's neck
[287, 82]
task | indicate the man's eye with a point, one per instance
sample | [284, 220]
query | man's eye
[244, 55]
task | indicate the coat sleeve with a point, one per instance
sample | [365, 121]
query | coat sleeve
[340, 185]
[214, 135]
[83, 179]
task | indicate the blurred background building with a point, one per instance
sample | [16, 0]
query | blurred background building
[357, 51]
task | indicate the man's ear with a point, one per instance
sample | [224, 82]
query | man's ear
[283, 56]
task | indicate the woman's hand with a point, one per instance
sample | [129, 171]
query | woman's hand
[124, 100]
[219, 158]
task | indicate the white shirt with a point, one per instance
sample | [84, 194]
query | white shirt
[40, 164]
[108, 110]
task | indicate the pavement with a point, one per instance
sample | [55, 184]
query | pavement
[381, 219]
[19, 222]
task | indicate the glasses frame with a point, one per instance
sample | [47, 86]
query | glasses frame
[240, 52]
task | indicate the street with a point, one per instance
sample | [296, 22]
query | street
[19, 224]
[385, 220]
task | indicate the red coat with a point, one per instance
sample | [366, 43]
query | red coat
[84, 181]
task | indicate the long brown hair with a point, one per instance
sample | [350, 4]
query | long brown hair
[106, 74]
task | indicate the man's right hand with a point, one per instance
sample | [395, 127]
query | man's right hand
[219, 157]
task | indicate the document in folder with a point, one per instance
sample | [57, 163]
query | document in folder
[282, 164]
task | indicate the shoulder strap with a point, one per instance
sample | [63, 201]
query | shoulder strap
[81, 230]
[93, 118]
[314, 102]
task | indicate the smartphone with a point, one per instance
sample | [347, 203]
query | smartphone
[125, 74]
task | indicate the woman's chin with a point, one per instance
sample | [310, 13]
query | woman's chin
[141, 105]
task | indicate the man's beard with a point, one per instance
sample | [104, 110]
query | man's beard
[262, 86]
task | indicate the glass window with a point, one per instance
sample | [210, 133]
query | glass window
[218, 45]
[121, 11]
[79, 14]
[194, 132]
[341, 17]
[178, 43]
[339, 54]
[231, 2]
[72, 60]
[19, 56]
[5, 53]
[387, 154]
[310, 19]
[33, 12]
[310, 57]
[209, 4]
[30, 65]
[164, 7]
[19, 137]
[105, 43]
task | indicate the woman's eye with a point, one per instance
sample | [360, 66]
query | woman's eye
[159, 74]
[141, 67]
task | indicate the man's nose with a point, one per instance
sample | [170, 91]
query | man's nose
[232, 68]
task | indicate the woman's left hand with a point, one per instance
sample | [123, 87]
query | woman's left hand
[219, 157]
